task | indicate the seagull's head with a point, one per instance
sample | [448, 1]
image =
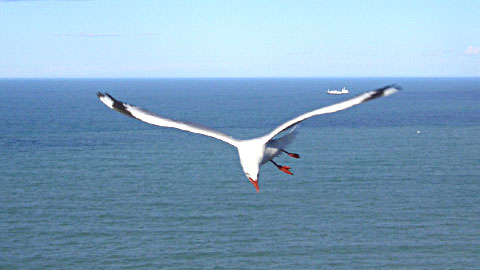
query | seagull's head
[252, 175]
[251, 154]
[253, 180]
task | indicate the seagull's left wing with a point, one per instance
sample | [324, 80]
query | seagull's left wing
[364, 97]
[157, 120]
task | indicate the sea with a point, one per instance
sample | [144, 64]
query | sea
[390, 184]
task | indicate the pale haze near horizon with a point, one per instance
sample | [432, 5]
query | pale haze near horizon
[121, 39]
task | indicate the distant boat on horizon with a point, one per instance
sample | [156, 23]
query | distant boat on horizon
[338, 92]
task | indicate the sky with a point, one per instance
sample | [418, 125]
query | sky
[163, 39]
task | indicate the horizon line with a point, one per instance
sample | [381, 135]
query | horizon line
[228, 77]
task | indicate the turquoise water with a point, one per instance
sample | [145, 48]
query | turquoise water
[86, 187]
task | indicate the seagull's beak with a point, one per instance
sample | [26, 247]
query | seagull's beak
[255, 183]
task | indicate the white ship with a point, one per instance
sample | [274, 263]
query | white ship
[337, 92]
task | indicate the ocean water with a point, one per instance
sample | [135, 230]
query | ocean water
[390, 184]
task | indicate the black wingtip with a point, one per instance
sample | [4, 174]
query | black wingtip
[117, 105]
[382, 91]
[108, 95]
[396, 86]
[100, 95]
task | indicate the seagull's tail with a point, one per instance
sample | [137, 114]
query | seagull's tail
[285, 140]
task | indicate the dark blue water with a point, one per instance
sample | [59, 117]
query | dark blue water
[83, 186]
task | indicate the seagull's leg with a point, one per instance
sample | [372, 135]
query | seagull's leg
[291, 154]
[284, 169]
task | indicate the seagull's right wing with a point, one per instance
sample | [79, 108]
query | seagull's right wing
[157, 120]
[364, 97]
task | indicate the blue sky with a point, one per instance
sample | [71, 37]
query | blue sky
[239, 38]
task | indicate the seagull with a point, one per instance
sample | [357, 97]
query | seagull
[254, 152]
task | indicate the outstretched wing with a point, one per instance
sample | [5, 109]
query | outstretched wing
[157, 120]
[364, 97]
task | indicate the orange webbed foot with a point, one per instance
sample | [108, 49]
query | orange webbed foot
[285, 169]
[294, 155]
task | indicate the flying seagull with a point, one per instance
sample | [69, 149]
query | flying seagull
[254, 152]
